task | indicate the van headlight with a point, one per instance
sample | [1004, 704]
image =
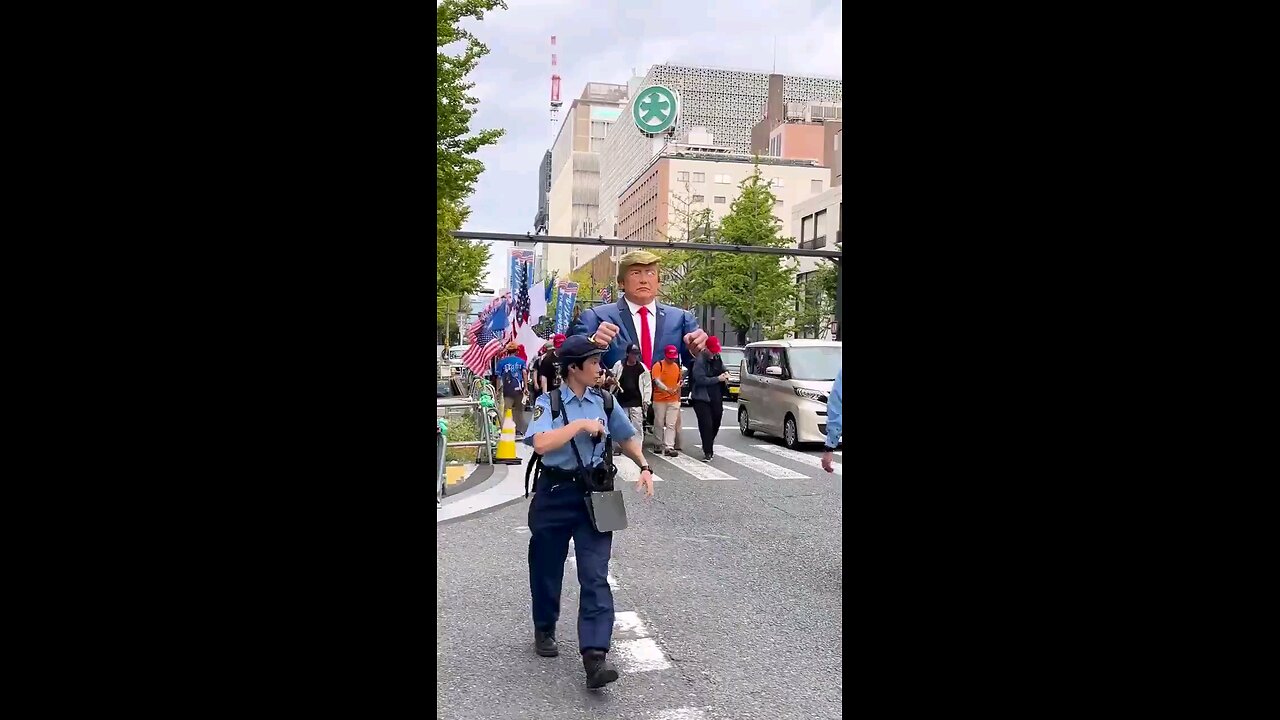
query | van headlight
[811, 394]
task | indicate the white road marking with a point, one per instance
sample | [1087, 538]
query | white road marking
[700, 470]
[629, 625]
[764, 467]
[629, 471]
[641, 655]
[613, 583]
[684, 713]
[813, 460]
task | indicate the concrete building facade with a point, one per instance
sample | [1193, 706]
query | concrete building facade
[800, 129]
[817, 223]
[722, 105]
[679, 182]
[573, 196]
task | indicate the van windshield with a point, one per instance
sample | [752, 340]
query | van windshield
[814, 363]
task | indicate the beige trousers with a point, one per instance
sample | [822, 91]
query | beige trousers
[667, 416]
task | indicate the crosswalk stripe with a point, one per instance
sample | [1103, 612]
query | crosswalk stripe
[799, 457]
[764, 467]
[700, 470]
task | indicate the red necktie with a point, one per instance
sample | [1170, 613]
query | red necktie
[646, 345]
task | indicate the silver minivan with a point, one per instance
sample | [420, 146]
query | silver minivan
[785, 384]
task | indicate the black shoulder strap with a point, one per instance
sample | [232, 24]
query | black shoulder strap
[553, 396]
[556, 407]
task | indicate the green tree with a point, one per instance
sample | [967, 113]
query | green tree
[751, 289]
[817, 300]
[682, 286]
[459, 263]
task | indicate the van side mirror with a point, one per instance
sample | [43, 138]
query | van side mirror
[773, 370]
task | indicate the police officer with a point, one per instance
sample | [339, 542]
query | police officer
[558, 510]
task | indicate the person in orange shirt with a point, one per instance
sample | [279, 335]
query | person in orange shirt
[666, 400]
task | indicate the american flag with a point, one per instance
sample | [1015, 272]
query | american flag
[522, 294]
[482, 320]
[478, 357]
[606, 294]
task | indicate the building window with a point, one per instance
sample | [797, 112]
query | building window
[698, 198]
[836, 142]
[723, 179]
[699, 177]
[599, 131]
[820, 229]
[719, 200]
[682, 177]
[806, 230]
[776, 182]
[815, 186]
[777, 202]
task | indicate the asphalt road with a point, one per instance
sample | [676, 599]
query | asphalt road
[727, 589]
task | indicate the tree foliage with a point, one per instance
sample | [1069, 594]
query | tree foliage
[459, 263]
[681, 284]
[751, 289]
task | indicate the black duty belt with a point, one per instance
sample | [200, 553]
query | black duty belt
[556, 476]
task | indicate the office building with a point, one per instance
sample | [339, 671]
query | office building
[723, 106]
[573, 195]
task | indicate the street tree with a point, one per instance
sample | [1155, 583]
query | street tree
[681, 286]
[751, 289]
[459, 263]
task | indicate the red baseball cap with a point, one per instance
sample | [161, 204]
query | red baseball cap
[672, 352]
[558, 340]
[713, 344]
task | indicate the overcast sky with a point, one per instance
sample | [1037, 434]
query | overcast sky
[602, 41]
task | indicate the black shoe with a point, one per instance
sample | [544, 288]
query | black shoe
[706, 458]
[670, 453]
[545, 643]
[599, 671]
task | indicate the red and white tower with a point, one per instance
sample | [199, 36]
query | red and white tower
[555, 90]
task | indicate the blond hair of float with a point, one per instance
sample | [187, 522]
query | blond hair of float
[635, 257]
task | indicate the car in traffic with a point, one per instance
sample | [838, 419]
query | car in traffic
[732, 357]
[452, 399]
[784, 389]
[452, 366]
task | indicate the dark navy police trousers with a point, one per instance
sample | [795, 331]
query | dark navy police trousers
[556, 514]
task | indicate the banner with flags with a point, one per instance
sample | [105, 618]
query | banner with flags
[519, 259]
[564, 313]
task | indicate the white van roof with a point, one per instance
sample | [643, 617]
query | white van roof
[798, 342]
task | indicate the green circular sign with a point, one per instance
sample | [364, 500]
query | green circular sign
[655, 109]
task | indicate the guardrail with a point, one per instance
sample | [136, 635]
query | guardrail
[443, 444]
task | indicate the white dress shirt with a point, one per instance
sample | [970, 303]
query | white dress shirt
[653, 328]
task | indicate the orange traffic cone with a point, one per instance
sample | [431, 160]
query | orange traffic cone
[507, 442]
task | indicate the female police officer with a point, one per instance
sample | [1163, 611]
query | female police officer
[559, 511]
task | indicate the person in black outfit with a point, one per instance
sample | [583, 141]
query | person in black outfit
[635, 387]
[548, 370]
[707, 395]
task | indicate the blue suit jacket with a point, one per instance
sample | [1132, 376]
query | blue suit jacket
[671, 327]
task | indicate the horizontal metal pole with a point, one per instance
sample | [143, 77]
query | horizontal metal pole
[614, 242]
[469, 443]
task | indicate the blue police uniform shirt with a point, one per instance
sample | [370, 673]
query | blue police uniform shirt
[591, 406]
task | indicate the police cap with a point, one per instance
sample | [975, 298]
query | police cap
[577, 348]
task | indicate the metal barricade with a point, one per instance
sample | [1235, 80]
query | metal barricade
[485, 441]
